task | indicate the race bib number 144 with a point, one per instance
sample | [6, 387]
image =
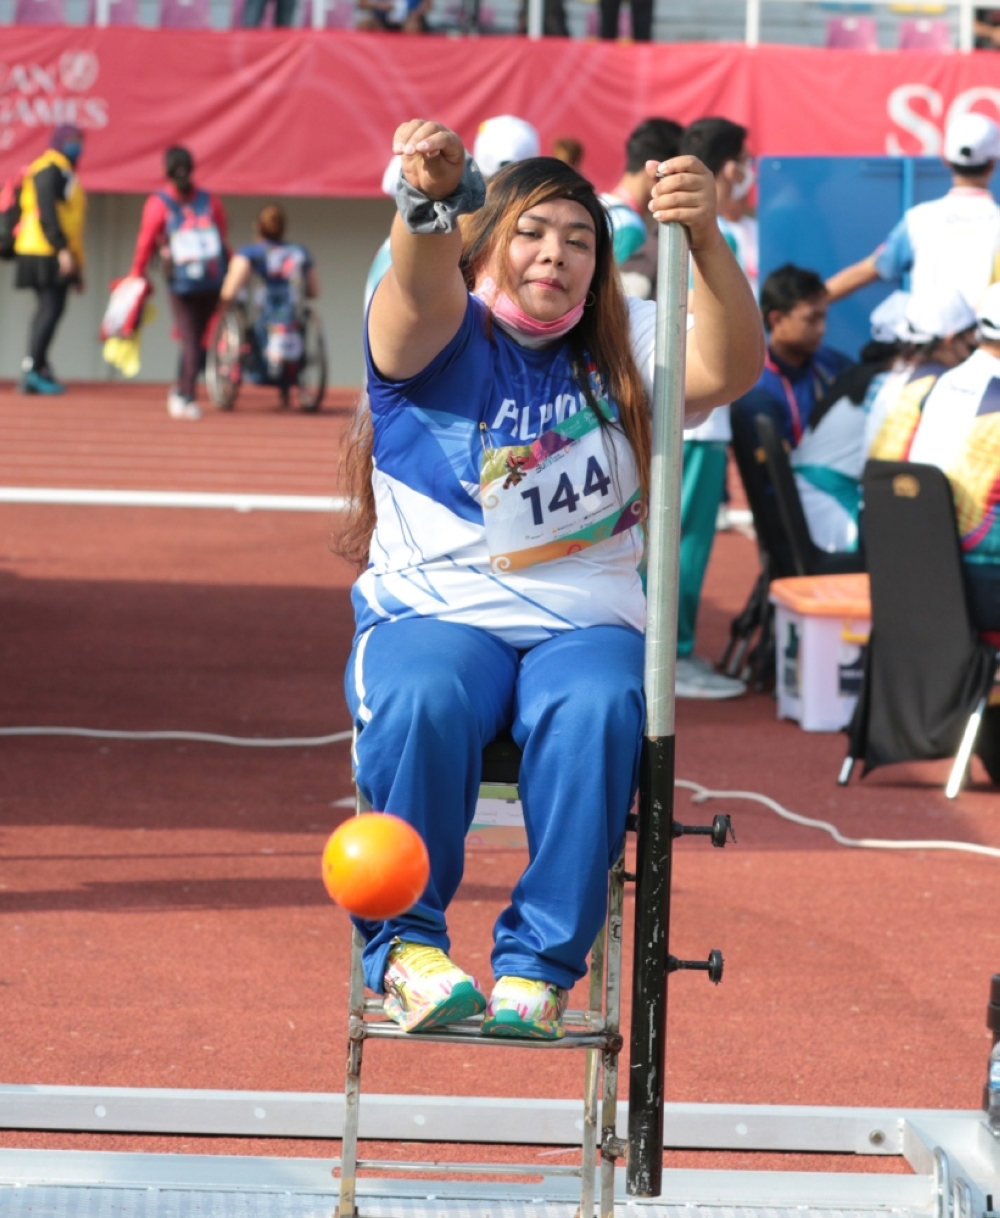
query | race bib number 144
[557, 496]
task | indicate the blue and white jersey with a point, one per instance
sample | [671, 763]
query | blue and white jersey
[429, 554]
[951, 243]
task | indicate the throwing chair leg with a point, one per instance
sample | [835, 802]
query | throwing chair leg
[965, 750]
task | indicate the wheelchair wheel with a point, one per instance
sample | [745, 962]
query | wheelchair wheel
[312, 375]
[223, 370]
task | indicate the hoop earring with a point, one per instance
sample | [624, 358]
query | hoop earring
[591, 298]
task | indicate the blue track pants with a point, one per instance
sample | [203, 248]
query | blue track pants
[427, 696]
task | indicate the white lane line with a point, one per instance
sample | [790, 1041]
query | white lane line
[238, 502]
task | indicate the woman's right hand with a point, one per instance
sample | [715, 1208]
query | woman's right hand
[433, 157]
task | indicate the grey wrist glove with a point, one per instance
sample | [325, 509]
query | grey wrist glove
[423, 215]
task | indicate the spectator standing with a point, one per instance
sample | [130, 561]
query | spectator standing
[253, 13]
[951, 242]
[642, 19]
[721, 146]
[959, 432]
[627, 205]
[401, 16]
[987, 28]
[48, 249]
[187, 227]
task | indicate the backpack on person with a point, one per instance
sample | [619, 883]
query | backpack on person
[10, 214]
[197, 256]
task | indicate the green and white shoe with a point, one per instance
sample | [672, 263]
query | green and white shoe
[532, 1010]
[424, 989]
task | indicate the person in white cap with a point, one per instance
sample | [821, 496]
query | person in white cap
[951, 242]
[959, 432]
[937, 333]
[500, 141]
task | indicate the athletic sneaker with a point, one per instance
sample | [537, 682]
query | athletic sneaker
[179, 407]
[33, 381]
[529, 1009]
[696, 678]
[424, 989]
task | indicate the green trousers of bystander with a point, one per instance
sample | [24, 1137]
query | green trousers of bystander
[701, 493]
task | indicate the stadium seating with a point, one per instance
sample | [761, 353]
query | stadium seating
[39, 12]
[185, 15]
[119, 12]
[923, 35]
[852, 34]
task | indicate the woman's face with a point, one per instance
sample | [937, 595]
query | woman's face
[552, 259]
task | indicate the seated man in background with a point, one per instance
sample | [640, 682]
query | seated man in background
[959, 432]
[877, 401]
[798, 374]
[798, 369]
[829, 460]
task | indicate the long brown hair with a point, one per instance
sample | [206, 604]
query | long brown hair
[602, 337]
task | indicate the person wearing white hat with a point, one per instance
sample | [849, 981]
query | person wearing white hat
[829, 459]
[503, 140]
[500, 141]
[937, 333]
[951, 242]
[959, 432]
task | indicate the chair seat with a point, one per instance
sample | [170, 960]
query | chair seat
[501, 762]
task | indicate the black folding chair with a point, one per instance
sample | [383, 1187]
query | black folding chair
[783, 542]
[928, 674]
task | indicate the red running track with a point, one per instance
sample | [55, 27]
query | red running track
[162, 922]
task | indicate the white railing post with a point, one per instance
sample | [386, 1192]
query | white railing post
[966, 21]
[102, 13]
[536, 18]
[319, 14]
[753, 23]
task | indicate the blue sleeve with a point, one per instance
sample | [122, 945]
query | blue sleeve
[452, 382]
[895, 257]
[253, 254]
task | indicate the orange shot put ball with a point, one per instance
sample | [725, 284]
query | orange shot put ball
[376, 866]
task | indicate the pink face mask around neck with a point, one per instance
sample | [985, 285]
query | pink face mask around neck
[513, 320]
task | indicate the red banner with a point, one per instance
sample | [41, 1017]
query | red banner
[293, 112]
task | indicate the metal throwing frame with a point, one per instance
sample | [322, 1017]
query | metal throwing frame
[594, 1030]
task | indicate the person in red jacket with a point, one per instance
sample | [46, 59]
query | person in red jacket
[187, 228]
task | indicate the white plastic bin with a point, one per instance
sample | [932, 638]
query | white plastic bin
[821, 625]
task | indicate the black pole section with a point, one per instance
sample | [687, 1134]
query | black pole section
[647, 1063]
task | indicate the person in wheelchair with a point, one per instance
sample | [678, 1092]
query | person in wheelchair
[499, 471]
[275, 278]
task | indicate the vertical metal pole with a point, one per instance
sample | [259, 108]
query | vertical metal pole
[536, 18]
[656, 792]
[752, 36]
[610, 1151]
[102, 14]
[319, 15]
[966, 25]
